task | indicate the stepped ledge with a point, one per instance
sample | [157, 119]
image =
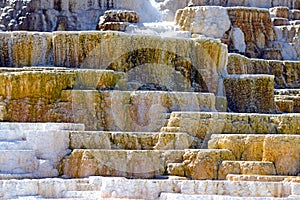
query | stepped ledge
[150, 99]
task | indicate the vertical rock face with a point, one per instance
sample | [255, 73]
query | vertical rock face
[282, 12]
[34, 93]
[204, 164]
[242, 98]
[199, 64]
[257, 27]
[50, 15]
[286, 72]
[25, 49]
[200, 61]
[42, 95]
[67, 15]
[284, 152]
[144, 110]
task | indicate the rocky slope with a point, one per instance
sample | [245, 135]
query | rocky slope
[205, 107]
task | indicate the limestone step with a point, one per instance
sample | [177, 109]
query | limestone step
[12, 135]
[18, 161]
[40, 126]
[260, 178]
[134, 111]
[14, 145]
[176, 169]
[118, 187]
[254, 147]
[29, 197]
[82, 194]
[279, 21]
[245, 167]
[125, 163]
[199, 164]
[282, 150]
[9, 176]
[295, 22]
[178, 196]
[291, 92]
[288, 99]
[204, 124]
[285, 105]
[294, 197]
[129, 140]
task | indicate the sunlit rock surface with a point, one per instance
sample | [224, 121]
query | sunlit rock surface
[257, 27]
[25, 152]
[262, 148]
[245, 167]
[207, 20]
[131, 163]
[149, 104]
[202, 124]
[204, 164]
[285, 72]
[288, 100]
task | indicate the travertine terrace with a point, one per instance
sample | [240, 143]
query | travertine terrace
[150, 99]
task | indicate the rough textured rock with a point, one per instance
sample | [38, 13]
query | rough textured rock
[257, 27]
[295, 14]
[112, 187]
[245, 167]
[288, 99]
[204, 67]
[167, 141]
[203, 125]
[132, 164]
[144, 110]
[113, 140]
[129, 140]
[25, 49]
[133, 82]
[83, 106]
[169, 7]
[204, 164]
[282, 12]
[211, 21]
[289, 38]
[201, 67]
[176, 169]
[285, 106]
[66, 15]
[284, 152]
[243, 146]
[253, 177]
[241, 98]
[280, 21]
[285, 72]
[40, 94]
[117, 17]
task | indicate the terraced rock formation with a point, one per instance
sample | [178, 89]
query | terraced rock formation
[203, 107]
